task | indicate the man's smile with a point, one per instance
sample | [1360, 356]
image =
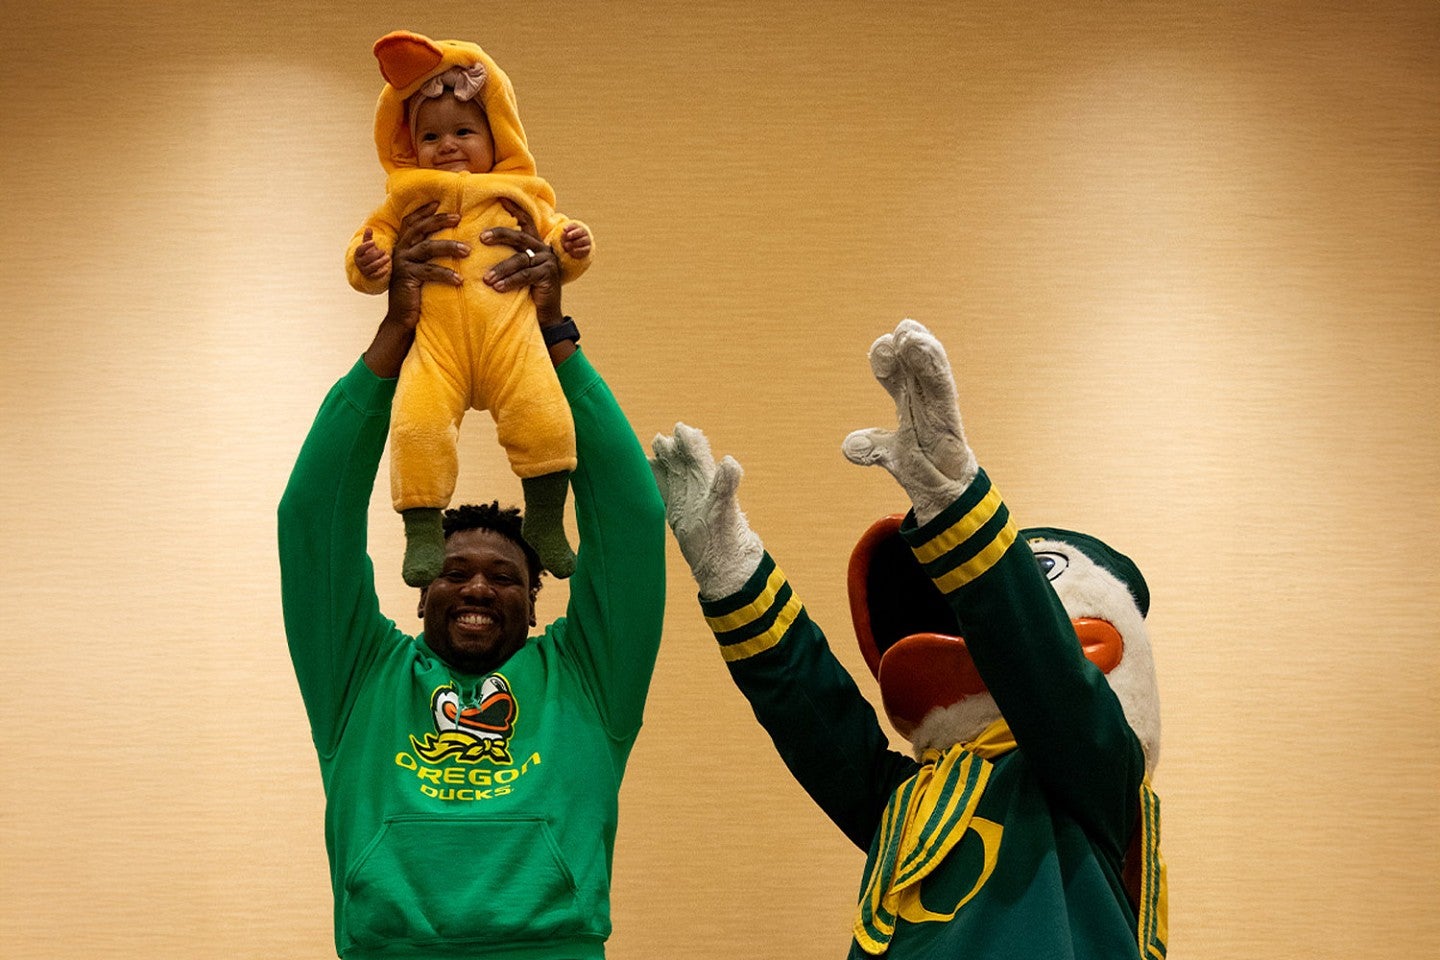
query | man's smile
[474, 619]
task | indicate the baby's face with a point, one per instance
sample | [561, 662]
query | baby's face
[453, 135]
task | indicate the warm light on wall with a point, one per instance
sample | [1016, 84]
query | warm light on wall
[1184, 264]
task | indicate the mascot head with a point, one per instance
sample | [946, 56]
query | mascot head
[915, 646]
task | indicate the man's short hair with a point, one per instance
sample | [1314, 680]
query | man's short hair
[505, 521]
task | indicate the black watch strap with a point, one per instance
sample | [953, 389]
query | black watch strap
[564, 330]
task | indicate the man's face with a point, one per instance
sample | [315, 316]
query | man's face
[480, 609]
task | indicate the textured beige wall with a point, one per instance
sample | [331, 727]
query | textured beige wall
[1185, 259]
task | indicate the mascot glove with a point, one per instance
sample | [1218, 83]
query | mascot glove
[702, 508]
[926, 453]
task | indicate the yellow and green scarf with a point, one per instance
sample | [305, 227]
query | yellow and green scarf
[930, 813]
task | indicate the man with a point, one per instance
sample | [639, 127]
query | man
[471, 773]
[1025, 826]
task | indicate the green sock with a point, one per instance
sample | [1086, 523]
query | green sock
[424, 546]
[544, 524]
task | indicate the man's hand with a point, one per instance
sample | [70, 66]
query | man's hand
[372, 262]
[702, 508]
[927, 453]
[535, 265]
[411, 269]
[410, 266]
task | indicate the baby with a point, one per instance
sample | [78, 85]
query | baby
[447, 131]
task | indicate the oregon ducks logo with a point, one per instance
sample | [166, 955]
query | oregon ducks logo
[913, 910]
[472, 730]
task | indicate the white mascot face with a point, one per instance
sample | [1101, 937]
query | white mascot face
[1087, 591]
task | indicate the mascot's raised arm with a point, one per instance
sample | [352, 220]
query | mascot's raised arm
[1014, 660]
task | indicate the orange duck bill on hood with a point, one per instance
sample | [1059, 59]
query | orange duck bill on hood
[911, 639]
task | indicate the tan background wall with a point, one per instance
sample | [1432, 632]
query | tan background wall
[1185, 260]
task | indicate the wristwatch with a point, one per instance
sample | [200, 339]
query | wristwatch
[564, 330]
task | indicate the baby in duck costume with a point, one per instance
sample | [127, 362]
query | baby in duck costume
[447, 131]
[1025, 825]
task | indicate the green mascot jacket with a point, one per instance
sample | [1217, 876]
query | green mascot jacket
[1020, 845]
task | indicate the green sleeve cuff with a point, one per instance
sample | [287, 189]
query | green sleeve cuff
[576, 374]
[966, 539]
[757, 616]
[369, 394]
[743, 597]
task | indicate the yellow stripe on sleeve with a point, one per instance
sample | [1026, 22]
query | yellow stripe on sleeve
[979, 563]
[768, 639]
[753, 610]
[961, 530]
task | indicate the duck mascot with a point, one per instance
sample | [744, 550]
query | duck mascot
[1014, 660]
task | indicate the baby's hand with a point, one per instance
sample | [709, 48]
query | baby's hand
[372, 262]
[575, 239]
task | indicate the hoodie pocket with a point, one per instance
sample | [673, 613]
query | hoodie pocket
[434, 877]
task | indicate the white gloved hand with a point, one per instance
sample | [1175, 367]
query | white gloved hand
[702, 508]
[927, 453]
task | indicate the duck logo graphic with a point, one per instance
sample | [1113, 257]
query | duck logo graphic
[469, 733]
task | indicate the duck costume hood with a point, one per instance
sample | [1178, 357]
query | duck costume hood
[407, 62]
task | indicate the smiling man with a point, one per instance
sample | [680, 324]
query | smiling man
[471, 773]
[480, 609]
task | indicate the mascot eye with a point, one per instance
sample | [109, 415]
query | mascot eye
[1052, 564]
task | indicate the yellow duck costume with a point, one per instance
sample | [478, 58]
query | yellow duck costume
[474, 346]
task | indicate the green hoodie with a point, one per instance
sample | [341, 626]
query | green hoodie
[484, 827]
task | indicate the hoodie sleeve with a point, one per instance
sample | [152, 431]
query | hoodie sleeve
[823, 729]
[617, 594]
[327, 583]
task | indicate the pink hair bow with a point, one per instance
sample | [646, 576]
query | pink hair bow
[467, 82]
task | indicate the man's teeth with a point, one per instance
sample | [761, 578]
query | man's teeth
[474, 620]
